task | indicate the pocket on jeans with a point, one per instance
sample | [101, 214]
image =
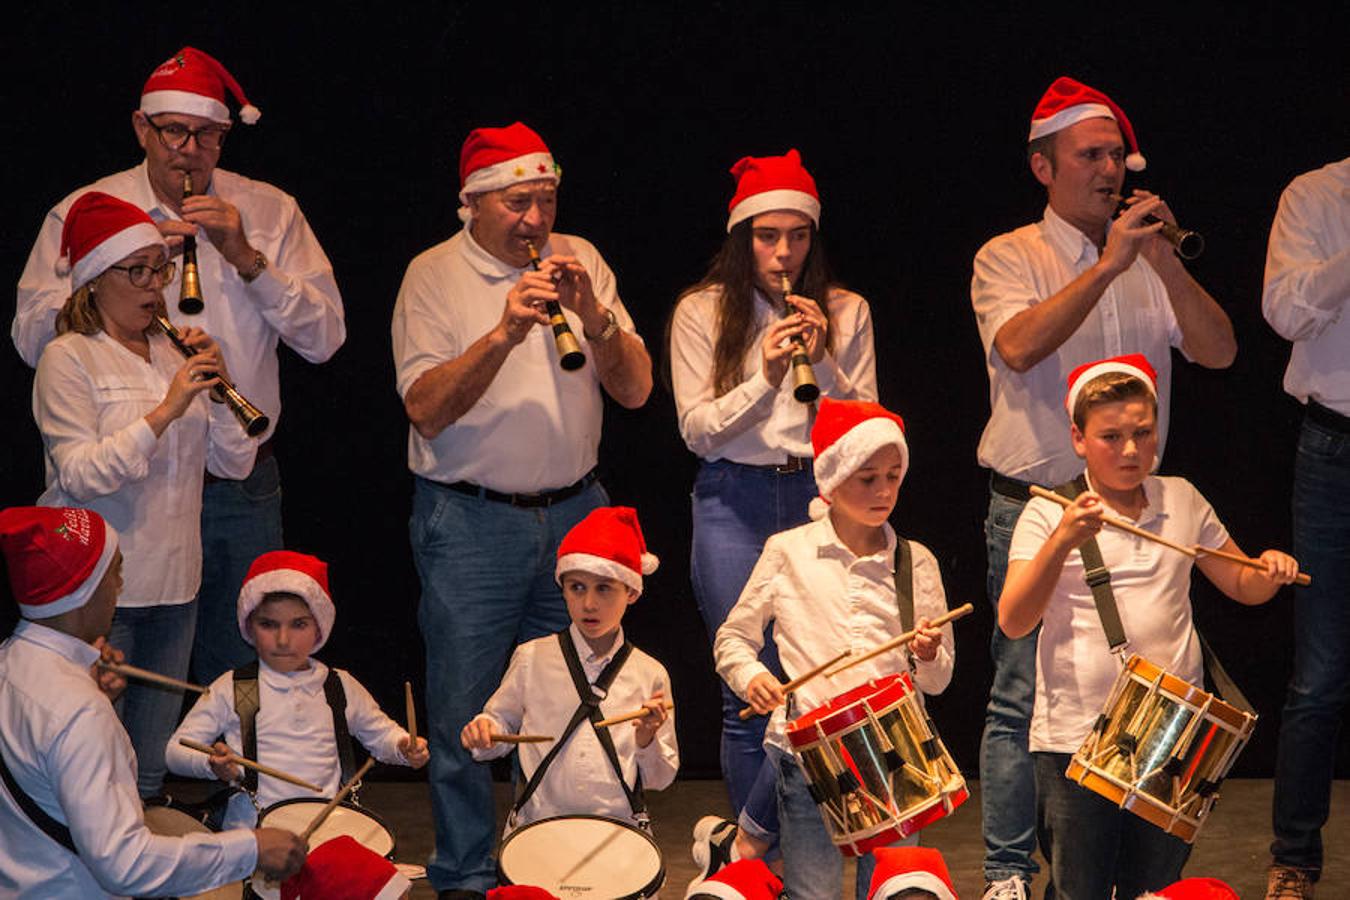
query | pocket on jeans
[264, 483]
[1320, 443]
[708, 481]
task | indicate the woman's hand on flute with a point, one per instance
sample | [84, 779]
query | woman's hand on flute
[765, 694]
[111, 683]
[926, 641]
[814, 324]
[222, 763]
[416, 752]
[776, 349]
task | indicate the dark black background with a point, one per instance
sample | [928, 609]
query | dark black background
[913, 119]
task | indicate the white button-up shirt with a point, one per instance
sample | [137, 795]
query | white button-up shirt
[536, 427]
[90, 398]
[1152, 585]
[295, 734]
[70, 754]
[822, 599]
[295, 299]
[1027, 436]
[757, 423]
[1307, 288]
[536, 696]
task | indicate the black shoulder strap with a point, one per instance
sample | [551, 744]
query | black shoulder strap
[337, 704]
[1097, 576]
[589, 708]
[45, 823]
[904, 583]
[246, 706]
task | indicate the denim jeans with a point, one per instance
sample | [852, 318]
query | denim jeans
[1093, 845]
[487, 585]
[1007, 776]
[736, 509]
[158, 638]
[812, 864]
[241, 520]
[1320, 684]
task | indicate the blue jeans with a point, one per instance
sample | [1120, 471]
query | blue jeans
[158, 638]
[1007, 776]
[1320, 684]
[812, 864]
[736, 509]
[487, 585]
[241, 520]
[1093, 845]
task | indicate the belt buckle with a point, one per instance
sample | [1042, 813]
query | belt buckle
[794, 464]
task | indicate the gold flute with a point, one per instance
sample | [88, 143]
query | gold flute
[190, 294]
[804, 387]
[1189, 244]
[254, 420]
[570, 356]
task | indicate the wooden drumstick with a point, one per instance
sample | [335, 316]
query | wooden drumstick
[127, 671]
[949, 616]
[520, 738]
[797, 682]
[412, 712]
[628, 716]
[250, 764]
[332, 804]
[1036, 490]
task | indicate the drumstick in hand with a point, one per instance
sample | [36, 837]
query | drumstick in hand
[798, 682]
[628, 716]
[520, 738]
[905, 638]
[412, 712]
[250, 764]
[146, 675]
[332, 804]
[1037, 491]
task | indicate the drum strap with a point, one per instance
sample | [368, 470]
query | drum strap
[588, 710]
[904, 583]
[1097, 576]
[247, 704]
[45, 823]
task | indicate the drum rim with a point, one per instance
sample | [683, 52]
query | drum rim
[348, 804]
[801, 732]
[1183, 691]
[647, 890]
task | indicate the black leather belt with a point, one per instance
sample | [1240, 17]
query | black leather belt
[1009, 487]
[265, 452]
[1327, 418]
[526, 501]
[793, 464]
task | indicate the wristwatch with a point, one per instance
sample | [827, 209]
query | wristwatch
[259, 263]
[611, 328]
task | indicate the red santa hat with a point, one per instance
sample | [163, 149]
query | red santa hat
[1135, 364]
[495, 158]
[607, 542]
[768, 183]
[342, 869]
[846, 434]
[194, 83]
[745, 879]
[100, 230]
[1194, 889]
[288, 572]
[56, 556]
[901, 868]
[519, 892]
[1068, 102]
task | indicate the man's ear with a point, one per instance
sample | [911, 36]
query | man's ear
[1042, 168]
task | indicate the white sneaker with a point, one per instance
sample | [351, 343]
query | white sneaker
[714, 847]
[1012, 888]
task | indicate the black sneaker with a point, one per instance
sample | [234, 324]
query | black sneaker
[714, 847]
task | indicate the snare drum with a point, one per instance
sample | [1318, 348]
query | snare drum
[368, 829]
[1161, 748]
[875, 766]
[176, 820]
[600, 858]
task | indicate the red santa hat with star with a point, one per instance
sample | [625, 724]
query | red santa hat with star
[194, 83]
[496, 158]
[1068, 102]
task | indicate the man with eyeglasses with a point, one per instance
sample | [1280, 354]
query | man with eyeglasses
[503, 443]
[264, 278]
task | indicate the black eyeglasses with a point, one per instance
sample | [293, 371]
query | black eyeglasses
[175, 135]
[141, 276]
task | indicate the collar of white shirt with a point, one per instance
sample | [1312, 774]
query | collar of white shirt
[64, 645]
[1152, 500]
[830, 546]
[1067, 240]
[308, 680]
[593, 663]
[487, 265]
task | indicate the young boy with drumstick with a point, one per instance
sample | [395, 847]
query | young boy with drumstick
[828, 586]
[584, 768]
[1094, 846]
[288, 711]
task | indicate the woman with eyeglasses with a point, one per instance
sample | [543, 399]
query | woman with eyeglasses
[128, 431]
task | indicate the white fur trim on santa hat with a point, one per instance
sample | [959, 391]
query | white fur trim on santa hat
[1102, 368]
[925, 880]
[1070, 115]
[187, 103]
[287, 581]
[113, 249]
[846, 455]
[394, 888]
[771, 201]
[80, 596]
[605, 567]
[506, 173]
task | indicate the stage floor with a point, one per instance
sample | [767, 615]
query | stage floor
[1234, 845]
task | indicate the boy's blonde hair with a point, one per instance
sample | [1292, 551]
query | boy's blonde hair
[1110, 387]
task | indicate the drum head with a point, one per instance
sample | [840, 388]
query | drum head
[172, 822]
[591, 856]
[349, 819]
